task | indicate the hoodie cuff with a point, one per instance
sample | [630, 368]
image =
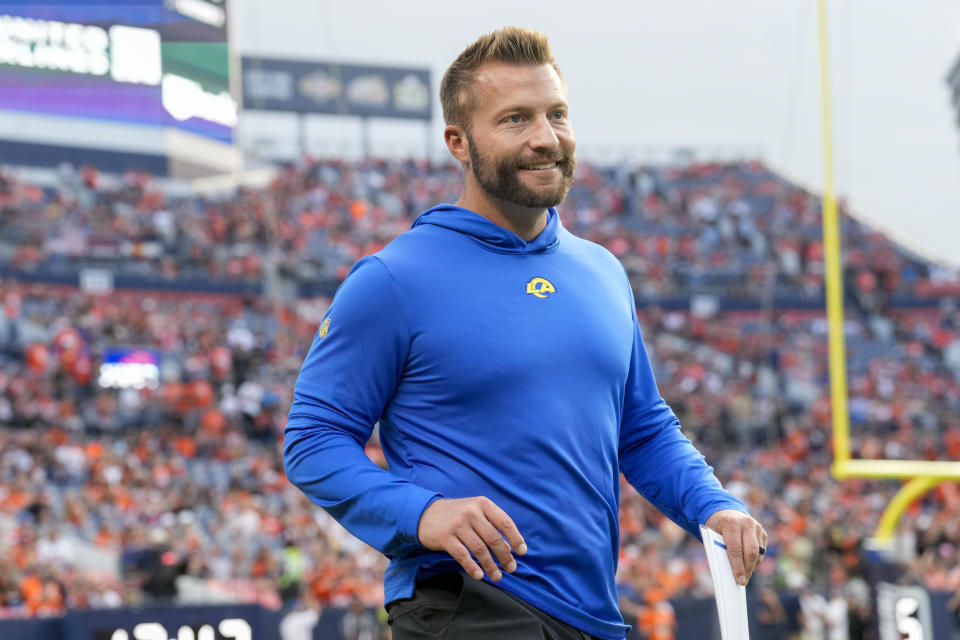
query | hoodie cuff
[409, 522]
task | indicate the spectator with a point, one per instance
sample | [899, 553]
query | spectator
[359, 623]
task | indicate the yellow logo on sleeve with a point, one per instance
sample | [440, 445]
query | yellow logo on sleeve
[322, 333]
[540, 287]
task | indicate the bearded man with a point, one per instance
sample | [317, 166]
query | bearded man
[503, 359]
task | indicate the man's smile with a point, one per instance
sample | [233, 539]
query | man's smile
[545, 166]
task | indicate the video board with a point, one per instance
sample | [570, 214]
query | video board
[159, 63]
[125, 368]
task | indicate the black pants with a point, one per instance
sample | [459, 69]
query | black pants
[451, 606]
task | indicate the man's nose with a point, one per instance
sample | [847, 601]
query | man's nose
[542, 135]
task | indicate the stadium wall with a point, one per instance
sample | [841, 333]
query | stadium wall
[696, 618]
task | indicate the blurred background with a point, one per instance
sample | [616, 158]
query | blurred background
[185, 183]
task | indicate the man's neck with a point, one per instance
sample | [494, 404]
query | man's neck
[523, 221]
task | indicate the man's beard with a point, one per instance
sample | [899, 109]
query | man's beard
[501, 179]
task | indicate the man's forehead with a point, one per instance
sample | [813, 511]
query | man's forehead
[501, 75]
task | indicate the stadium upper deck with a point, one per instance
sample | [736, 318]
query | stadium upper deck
[737, 231]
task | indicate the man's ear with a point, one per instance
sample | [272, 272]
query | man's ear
[456, 138]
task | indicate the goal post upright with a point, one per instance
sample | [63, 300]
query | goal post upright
[833, 274]
[920, 475]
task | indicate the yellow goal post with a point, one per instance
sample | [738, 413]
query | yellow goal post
[922, 475]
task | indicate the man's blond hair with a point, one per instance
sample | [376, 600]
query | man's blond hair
[512, 45]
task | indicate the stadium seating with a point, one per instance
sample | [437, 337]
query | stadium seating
[111, 497]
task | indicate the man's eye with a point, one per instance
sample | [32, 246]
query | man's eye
[514, 118]
[559, 115]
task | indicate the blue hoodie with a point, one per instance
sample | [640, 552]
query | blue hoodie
[501, 368]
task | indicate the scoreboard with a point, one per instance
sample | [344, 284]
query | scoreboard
[148, 66]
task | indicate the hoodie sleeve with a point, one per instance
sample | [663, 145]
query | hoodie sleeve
[655, 456]
[347, 378]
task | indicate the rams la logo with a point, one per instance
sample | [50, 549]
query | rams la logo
[540, 287]
[322, 333]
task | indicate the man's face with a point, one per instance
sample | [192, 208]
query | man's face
[521, 143]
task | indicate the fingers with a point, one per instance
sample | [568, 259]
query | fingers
[745, 540]
[751, 552]
[505, 526]
[472, 531]
[478, 548]
[493, 540]
[734, 544]
[754, 537]
[763, 544]
[462, 555]
[744, 546]
[486, 533]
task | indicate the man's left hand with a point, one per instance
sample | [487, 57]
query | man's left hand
[745, 538]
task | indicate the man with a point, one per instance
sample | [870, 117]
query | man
[359, 623]
[503, 359]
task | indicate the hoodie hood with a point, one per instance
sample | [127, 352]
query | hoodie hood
[489, 235]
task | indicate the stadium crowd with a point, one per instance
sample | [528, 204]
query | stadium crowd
[112, 497]
[731, 229]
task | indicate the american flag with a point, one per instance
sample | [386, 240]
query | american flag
[71, 241]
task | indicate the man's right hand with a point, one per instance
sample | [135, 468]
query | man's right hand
[475, 526]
